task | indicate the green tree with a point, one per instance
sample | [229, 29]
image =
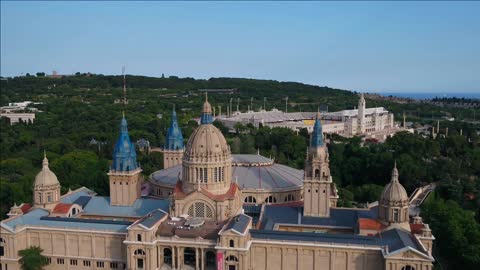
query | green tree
[456, 231]
[32, 259]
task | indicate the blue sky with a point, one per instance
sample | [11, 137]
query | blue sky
[366, 46]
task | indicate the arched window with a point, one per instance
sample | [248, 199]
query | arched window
[139, 237]
[289, 198]
[140, 256]
[408, 267]
[200, 209]
[139, 252]
[210, 259]
[232, 243]
[317, 173]
[2, 247]
[232, 262]
[250, 199]
[271, 199]
[167, 256]
[232, 258]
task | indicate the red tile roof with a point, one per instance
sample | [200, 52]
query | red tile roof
[369, 224]
[416, 228]
[25, 207]
[62, 208]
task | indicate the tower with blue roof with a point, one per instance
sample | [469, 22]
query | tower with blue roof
[174, 147]
[125, 173]
[320, 193]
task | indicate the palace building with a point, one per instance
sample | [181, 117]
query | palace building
[210, 209]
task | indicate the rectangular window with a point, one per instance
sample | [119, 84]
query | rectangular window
[49, 260]
[113, 265]
[205, 175]
[140, 263]
[73, 262]
[100, 264]
[86, 263]
[60, 261]
[395, 215]
[215, 174]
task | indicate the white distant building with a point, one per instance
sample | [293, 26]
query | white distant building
[18, 112]
[377, 123]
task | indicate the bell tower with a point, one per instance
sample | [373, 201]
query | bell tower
[319, 191]
[125, 174]
[173, 149]
[361, 114]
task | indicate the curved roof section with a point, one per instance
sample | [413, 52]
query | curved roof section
[174, 140]
[124, 155]
[207, 142]
[249, 171]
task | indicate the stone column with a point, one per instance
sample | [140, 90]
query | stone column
[173, 257]
[202, 251]
[196, 258]
[152, 259]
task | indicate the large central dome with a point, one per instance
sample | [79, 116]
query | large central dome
[207, 161]
[206, 144]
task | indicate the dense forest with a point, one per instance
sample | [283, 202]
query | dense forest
[77, 109]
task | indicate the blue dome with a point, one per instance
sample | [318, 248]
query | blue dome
[317, 134]
[174, 135]
[124, 155]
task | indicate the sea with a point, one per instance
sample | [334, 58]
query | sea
[430, 95]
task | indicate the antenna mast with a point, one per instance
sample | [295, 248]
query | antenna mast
[124, 87]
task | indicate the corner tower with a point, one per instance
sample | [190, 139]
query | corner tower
[361, 114]
[46, 189]
[125, 174]
[393, 205]
[319, 191]
[173, 149]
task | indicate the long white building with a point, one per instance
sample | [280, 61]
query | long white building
[372, 122]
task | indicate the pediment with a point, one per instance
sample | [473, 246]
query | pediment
[408, 253]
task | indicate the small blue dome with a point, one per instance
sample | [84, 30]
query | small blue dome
[124, 155]
[317, 134]
[174, 135]
[206, 117]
